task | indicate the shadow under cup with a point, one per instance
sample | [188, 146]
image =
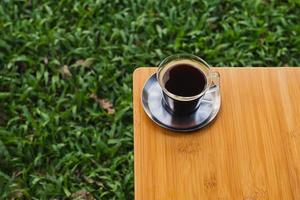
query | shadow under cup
[184, 80]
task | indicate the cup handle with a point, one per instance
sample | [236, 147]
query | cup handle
[215, 81]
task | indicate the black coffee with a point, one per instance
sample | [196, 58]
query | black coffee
[184, 80]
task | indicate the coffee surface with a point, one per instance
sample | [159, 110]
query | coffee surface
[184, 80]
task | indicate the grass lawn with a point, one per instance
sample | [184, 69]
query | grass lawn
[66, 80]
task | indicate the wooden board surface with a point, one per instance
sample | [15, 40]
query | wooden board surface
[250, 152]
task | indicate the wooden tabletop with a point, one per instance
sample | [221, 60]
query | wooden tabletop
[250, 152]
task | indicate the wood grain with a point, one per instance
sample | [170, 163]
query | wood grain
[250, 152]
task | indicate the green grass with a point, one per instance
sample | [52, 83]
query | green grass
[56, 142]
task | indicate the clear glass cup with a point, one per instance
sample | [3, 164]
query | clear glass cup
[185, 104]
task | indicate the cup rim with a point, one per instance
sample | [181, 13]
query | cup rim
[183, 56]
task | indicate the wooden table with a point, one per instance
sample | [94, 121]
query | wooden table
[250, 152]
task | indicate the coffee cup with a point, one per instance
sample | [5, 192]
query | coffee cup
[184, 80]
